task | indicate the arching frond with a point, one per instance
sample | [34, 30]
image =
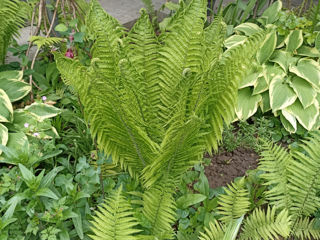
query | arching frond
[12, 17]
[235, 202]
[214, 232]
[41, 41]
[305, 184]
[266, 225]
[305, 229]
[274, 162]
[114, 220]
[159, 208]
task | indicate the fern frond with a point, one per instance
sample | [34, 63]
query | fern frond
[160, 209]
[114, 220]
[274, 162]
[304, 178]
[44, 41]
[220, 84]
[12, 16]
[235, 202]
[214, 232]
[305, 229]
[266, 225]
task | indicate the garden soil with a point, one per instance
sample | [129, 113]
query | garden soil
[226, 166]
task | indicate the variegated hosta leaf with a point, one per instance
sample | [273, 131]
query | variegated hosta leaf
[6, 110]
[12, 75]
[308, 51]
[15, 89]
[270, 71]
[267, 48]
[247, 103]
[234, 40]
[249, 80]
[260, 85]
[281, 94]
[42, 111]
[294, 40]
[304, 91]
[289, 121]
[248, 28]
[3, 135]
[309, 70]
[265, 102]
[284, 59]
[307, 117]
[271, 14]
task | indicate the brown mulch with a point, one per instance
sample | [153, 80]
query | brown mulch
[226, 166]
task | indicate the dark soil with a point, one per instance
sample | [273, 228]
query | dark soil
[226, 166]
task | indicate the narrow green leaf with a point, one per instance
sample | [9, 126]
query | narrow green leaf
[294, 40]
[188, 200]
[267, 47]
[26, 173]
[46, 192]
[77, 222]
[48, 178]
[6, 110]
[4, 135]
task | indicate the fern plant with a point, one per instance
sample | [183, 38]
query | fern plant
[292, 196]
[156, 103]
[12, 16]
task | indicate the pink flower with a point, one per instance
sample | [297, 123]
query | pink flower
[69, 53]
[36, 134]
[44, 98]
[26, 125]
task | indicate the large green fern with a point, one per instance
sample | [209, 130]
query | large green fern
[12, 16]
[293, 192]
[155, 103]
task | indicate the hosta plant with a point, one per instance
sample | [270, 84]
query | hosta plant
[16, 124]
[284, 79]
[291, 197]
[155, 103]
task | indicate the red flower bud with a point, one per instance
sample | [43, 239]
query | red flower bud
[71, 38]
[69, 53]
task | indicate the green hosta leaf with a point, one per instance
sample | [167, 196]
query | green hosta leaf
[260, 86]
[271, 14]
[17, 141]
[234, 40]
[308, 51]
[188, 200]
[270, 71]
[15, 90]
[42, 111]
[294, 40]
[307, 117]
[6, 110]
[3, 135]
[304, 91]
[289, 121]
[248, 28]
[12, 75]
[309, 70]
[284, 59]
[281, 94]
[267, 48]
[247, 104]
[265, 103]
[249, 80]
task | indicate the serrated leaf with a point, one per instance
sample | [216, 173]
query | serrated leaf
[309, 70]
[267, 47]
[281, 94]
[188, 200]
[4, 135]
[304, 91]
[234, 40]
[6, 110]
[294, 40]
[247, 104]
[15, 89]
[248, 28]
[42, 111]
[307, 117]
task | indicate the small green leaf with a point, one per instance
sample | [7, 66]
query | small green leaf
[48, 178]
[61, 28]
[294, 40]
[281, 94]
[77, 222]
[26, 173]
[46, 192]
[188, 200]
[6, 110]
